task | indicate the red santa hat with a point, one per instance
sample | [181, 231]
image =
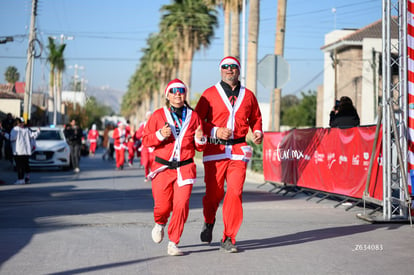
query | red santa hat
[229, 60]
[176, 83]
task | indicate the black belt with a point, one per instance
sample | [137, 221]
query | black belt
[173, 164]
[212, 140]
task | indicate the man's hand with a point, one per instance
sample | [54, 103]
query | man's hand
[258, 137]
[199, 132]
[223, 133]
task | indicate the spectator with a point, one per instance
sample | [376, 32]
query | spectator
[22, 140]
[73, 134]
[1, 140]
[7, 125]
[344, 115]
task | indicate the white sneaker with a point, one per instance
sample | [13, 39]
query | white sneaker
[76, 170]
[19, 181]
[173, 250]
[158, 233]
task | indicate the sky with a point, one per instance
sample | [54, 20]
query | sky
[104, 39]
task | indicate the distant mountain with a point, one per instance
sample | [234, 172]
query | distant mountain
[107, 96]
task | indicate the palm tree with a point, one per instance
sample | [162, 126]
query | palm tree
[235, 7]
[56, 62]
[11, 76]
[191, 23]
[252, 45]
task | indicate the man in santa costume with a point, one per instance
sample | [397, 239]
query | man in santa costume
[175, 132]
[228, 110]
[93, 136]
[120, 145]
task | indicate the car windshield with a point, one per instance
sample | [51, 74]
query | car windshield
[49, 135]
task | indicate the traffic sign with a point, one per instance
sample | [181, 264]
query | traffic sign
[273, 71]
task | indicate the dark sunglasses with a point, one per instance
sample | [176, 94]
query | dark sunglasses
[232, 66]
[177, 90]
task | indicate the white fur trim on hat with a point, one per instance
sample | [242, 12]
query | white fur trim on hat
[229, 60]
[176, 83]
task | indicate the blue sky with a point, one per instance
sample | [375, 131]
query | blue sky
[108, 37]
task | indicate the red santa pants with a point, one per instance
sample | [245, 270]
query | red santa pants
[119, 157]
[234, 173]
[168, 196]
[92, 147]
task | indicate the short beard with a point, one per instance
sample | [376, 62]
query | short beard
[231, 79]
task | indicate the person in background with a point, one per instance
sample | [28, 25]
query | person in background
[146, 152]
[73, 134]
[1, 140]
[175, 131]
[108, 143]
[344, 115]
[22, 140]
[120, 139]
[130, 144]
[137, 145]
[131, 151]
[227, 110]
[8, 124]
[93, 137]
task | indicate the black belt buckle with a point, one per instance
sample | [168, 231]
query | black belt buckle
[174, 164]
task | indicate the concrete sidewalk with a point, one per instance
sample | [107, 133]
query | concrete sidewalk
[100, 221]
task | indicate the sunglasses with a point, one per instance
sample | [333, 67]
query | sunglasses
[177, 90]
[231, 66]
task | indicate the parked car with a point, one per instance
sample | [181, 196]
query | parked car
[51, 150]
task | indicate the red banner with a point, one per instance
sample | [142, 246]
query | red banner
[331, 160]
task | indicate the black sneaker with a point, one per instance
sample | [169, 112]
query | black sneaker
[228, 246]
[207, 232]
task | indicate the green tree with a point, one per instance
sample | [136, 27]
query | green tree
[191, 24]
[302, 113]
[186, 26]
[11, 75]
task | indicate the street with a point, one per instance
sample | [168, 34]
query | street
[99, 222]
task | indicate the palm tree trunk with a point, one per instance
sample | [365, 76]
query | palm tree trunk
[59, 97]
[252, 45]
[55, 100]
[235, 32]
[50, 101]
[226, 30]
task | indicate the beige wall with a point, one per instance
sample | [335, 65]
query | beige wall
[12, 106]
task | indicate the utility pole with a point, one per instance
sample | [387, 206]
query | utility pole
[279, 49]
[29, 65]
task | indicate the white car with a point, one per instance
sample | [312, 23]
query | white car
[51, 149]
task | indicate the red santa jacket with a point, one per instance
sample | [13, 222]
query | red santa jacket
[119, 139]
[179, 148]
[215, 110]
[93, 136]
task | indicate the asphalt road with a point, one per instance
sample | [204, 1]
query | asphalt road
[99, 222]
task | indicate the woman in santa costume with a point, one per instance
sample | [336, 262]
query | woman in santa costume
[228, 110]
[93, 136]
[120, 145]
[175, 132]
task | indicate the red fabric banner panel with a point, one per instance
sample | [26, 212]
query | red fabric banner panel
[331, 160]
